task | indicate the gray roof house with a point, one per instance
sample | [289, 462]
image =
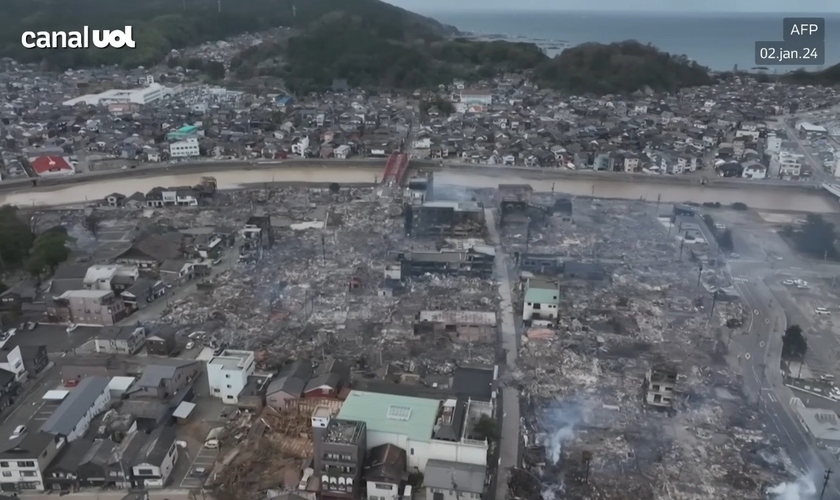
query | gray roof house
[289, 384]
[72, 418]
[445, 480]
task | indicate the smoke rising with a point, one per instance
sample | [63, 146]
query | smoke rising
[560, 421]
[801, 489]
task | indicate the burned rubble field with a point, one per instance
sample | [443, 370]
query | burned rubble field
[310, 297]
[588, 432]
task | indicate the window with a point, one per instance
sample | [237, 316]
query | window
[145, 472]
[228, 386]
[655, 388]
[412, 451]
[383, 486]
[227, 375]
[4, 464]
[28, 473]
[26, 464]
[7, 473]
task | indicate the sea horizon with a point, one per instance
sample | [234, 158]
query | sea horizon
[719, 41]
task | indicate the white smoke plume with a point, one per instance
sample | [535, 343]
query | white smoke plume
[560, 421]
[801, 489]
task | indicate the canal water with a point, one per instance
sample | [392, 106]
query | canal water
[768, 198]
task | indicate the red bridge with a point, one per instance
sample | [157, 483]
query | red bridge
[395, 169]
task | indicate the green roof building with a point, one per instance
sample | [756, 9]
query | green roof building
[542, 300]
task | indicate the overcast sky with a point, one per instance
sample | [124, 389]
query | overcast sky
[723, 6]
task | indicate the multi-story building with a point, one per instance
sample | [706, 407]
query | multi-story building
[24, 459]
[339, 449]
[787, 164]
[227, 374]
[660, 384]
[87, 307]
[143, 95]
[542, 300]
[120, 339]
[73, 416]
[184, 149]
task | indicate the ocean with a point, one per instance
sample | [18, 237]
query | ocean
[718, 41]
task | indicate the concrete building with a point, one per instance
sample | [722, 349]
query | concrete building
[11, 357]
[459, 326]
[787, 164]
[87, 307]
[72, 418]
[425, 428]
[288, 385]
[542, 301]
[156, 459]
[385, 473]
[184, 149]
[445, 480]
[660, 384]
[808, 130]
[24, 461]
[51, 166]
[339, 449]
[227, 374]
[143, 95]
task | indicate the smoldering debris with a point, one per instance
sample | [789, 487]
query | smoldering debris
[612, 443]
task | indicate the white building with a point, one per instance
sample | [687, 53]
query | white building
[184, 149]
[72, 418]
[754, 171]
[426, 428]
[156, 458]
[144, 95]
[11, 358]
[300, 146]
[787, 164]
[342, 152]
[774, 144]
[837, 166]
[228, 373]
[542, 300]
[24, 460]
[660, 384]
[477, 96]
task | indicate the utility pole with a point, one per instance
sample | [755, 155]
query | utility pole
[825, 483]
[323, 249]
[699, 274]
[760, 386]
[714, 301]
[682, 244]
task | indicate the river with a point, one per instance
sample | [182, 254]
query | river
[769, 198]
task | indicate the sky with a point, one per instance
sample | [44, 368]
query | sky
[722, 6]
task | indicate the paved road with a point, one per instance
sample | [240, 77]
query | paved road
[510, 437]
[760, 353]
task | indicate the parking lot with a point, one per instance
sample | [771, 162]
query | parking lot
[204, 459]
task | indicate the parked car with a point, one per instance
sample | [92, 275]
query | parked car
[788, 282]
[834, 394]
[71, 327]
[822, 311]
[190, 344]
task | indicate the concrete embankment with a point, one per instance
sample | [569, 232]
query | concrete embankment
[767, 195]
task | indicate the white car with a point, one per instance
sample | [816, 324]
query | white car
[71, 327]
[822, 311]
[720, 226]
[801, 282]
[19, 430]
[788, 282]
[190, 345]
[802, 287]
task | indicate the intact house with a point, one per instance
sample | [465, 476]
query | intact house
[385, 473]
[143, 292]
[9, 389]
[542, 301]
[162, 340]
[660, 384]
[73, 416]
[154, 463]
[176, 272]
[823, 426]
[227, 374]
[11, 356]
[152, 250]
[163, 386]
[24, 461]
[23, 292]
[288, 385]
[120, 339]
[448, 480]
[459, 326]
[87, 307]
[328, 380]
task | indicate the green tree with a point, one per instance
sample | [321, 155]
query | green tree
[710, 222]
[15, 238]
[215, 70]
[725, 240]
[816, 236]
[48, 251]
[486, 428]
[794, 345]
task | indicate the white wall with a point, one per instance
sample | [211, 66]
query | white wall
[14, 363]
[420, 452]
[225, 383]
[546, 311]
[162, 472]
[184, 149]
[382, 491]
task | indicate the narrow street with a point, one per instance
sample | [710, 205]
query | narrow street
[510, 439]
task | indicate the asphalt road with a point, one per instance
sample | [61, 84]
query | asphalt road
[759, 351]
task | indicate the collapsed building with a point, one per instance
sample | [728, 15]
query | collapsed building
[445, 218]
[476, 261]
